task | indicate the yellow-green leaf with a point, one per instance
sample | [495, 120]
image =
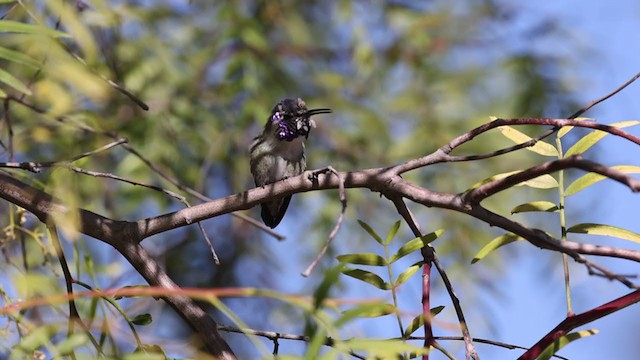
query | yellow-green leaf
[405, 275]
[20, 27]
[415, 244]
[366, 311]
[11, 80]
[563, 341]
[418, 321]
[592, 138]
[38, 337]
[368, 277]
[535, 206]
[18, 57]
[545, 181]
[518, 137]
[392, 232]
[363, 259]
[71, 343]
[371, 232]
[589, 179]
[500, 241]
[604, 230]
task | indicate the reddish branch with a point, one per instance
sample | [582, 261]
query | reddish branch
[573, 322]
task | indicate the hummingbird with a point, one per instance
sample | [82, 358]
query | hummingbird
[278, 153]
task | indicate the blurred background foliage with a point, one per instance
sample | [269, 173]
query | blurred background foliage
[402, 77]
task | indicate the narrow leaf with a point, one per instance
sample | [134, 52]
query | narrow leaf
[10, 80]
[500, 241]
[71, 343]
[565, 129]
[592, 138]
[368, 277]
[366, 311]
[405, 275]
[518, 137]
[392, 232]
[383, 349]
[18, 57]
[38, 337]
[418, 321]
[545, 181]
[363, 259]
[605, 230]
[535, 206]
[142, 319]
[415, 244]
[20, 27]
[589, 179]
[563, 341]
[371, 232]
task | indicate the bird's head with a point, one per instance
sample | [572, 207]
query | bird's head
[290, 119]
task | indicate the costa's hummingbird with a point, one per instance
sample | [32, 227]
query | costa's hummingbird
[278, 153]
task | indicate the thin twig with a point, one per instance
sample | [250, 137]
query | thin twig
[74, 316]
[111, 83]
[598, 101]
[272, 335]
[334, 231]
[36, 166]
[120, 178]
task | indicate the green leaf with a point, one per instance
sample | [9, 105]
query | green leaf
[392, 232]
[20, 27]
[592, 138]
[363, 259]
[518, 137]
[71, 343]
[500, 241]
[405, 275]
[418, 321]
[535, 206]
[545, 181]
[366, 311]
[383, 349]
[18, 57]
[330, 278]
[415, 244]
[604, 230]
[589, 179]
[564, 130]
[142, 319]
[10, 80]
[371, 232]
[563, 341]
[38, 338]
[368, 277]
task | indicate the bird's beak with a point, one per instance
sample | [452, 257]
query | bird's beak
[317, 111]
